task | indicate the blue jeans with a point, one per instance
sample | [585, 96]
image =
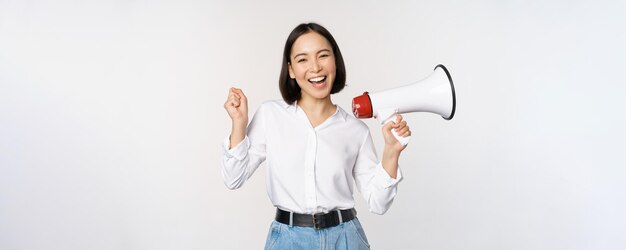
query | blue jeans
[347, 235]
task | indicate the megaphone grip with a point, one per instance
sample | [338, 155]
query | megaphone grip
[403, 140]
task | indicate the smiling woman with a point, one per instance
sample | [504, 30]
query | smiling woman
[313, 71]
[315, 150]
[314, 66]
[310, 45]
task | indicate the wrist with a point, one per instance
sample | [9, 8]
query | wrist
[240, 119]
[238, 132]
[390, 153]
[390, 161]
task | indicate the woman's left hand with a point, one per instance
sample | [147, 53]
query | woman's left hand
[401, 128]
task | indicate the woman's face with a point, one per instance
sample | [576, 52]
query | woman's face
[313, 65]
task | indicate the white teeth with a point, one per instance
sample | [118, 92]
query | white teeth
[317, 79]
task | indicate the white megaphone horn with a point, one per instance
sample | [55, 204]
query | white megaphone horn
[433, 94]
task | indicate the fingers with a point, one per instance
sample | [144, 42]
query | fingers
[239, 93]
[398, 118]
[404, 132]
[398, 122]
[237, 107]
[232, 101]
[388, 126]
[236, 98]
[401, 127]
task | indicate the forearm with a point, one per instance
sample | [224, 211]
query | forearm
[390, 161]
[238, 133]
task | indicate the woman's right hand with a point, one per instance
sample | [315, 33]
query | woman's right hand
[237, 106]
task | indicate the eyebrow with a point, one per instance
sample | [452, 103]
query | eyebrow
[303, 54]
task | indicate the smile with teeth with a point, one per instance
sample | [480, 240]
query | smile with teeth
[317, 80]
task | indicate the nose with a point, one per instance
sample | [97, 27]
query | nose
[316, 67]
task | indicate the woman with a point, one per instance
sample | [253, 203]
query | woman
[314, 150]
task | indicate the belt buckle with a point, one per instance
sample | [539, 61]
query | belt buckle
[317, 219]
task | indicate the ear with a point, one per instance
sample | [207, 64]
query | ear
[291, 74]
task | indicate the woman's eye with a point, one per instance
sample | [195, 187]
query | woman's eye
[301, 60]
[324, 55]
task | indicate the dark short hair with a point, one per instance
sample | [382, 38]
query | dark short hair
[289, 87]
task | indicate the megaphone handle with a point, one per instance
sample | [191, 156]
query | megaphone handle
[403, 140]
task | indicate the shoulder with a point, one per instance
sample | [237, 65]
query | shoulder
[354, 123]
[273, 104]
[271, 107]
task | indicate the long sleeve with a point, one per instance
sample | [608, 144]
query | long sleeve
[240, 162]
[310, 169]
[373, 182]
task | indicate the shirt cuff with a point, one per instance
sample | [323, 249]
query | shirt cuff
[383, 180]
[238, 152]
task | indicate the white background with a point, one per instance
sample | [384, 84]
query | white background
[111, 120]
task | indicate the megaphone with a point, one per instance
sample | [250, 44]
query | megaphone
[433, 94]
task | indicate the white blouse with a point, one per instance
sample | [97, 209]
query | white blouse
[310, 170]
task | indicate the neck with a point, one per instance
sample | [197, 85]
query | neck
[316, 107]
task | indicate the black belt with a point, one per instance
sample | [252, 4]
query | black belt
[317, 221]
